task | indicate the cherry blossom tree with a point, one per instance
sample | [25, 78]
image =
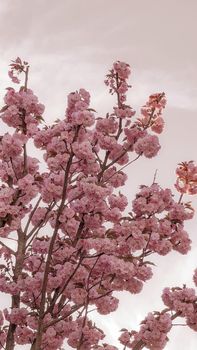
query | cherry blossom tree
[69, 237]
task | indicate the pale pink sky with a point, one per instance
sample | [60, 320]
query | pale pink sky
[71, 44]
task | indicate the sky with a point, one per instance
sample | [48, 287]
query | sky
[71, 44]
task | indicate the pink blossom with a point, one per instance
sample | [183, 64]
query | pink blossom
[106, 304]
[24, 335]
[122, 69]
[13, 78]
[85, 118]
[158, 125]
[11, 146]
[38, 216]
[186, 178]
[83, 150]
[108, 126]
[148, 145]
[16, 316]
[153, 332]
[118, 201]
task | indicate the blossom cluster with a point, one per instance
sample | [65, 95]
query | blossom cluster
[152, 113]
[152, 334]
[22, 110]
[184, 302]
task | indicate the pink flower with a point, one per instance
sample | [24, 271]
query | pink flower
[13, 77]
[186, 178]
[106, 305]
[38, 216]
[24, 335]
[125, 338]
[158, 125]
[108, 126]
[83, 150]
[118, 201]
[85, 118]
[123, 69]
[11, 145]
[153, 332]
[17, 316]
[148, 145]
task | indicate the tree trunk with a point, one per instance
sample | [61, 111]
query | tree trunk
[10, 343]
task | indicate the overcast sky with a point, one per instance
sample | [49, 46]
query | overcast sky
[71, 44]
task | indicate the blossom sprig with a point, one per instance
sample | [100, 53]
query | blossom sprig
[117, 80]
[152, 113]
[186, 178]
[154, 329]
[17, 67]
